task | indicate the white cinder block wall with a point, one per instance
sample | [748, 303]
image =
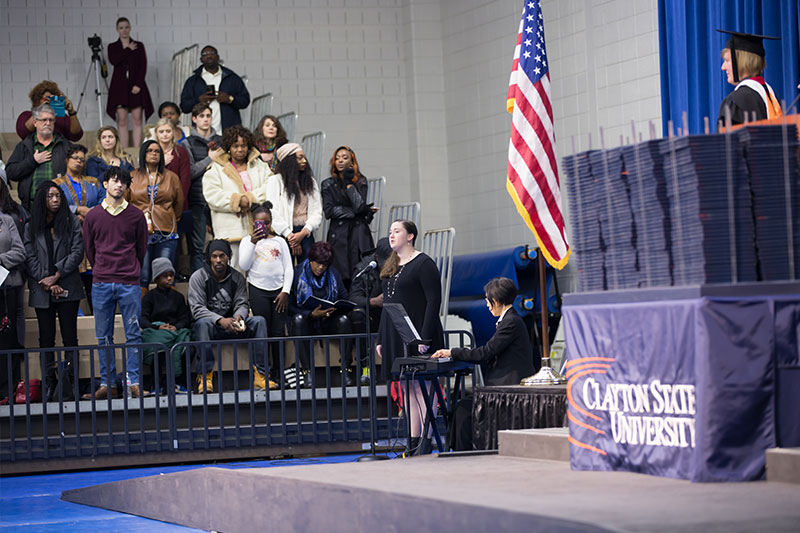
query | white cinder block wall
[416, 87]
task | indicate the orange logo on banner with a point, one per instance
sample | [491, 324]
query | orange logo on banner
[577, 368]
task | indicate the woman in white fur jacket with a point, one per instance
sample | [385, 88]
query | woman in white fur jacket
[234, 181]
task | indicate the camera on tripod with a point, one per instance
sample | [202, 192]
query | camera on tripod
[95, 43]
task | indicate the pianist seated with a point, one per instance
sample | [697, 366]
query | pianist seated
[508, 355]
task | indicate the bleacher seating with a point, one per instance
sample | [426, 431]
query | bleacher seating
[438, 244]
[259, 106]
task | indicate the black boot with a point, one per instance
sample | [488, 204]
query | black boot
[413, 445]
[51, 382]
[66, 382]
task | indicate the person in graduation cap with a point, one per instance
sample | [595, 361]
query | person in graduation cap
[744, 64]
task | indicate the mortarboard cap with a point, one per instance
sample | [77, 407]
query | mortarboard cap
[747, 42]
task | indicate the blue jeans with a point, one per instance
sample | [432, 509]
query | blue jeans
[197, 240]
[206, 330]
[105, 298]
[162, 249]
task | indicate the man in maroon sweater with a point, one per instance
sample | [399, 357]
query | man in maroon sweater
[115, 238]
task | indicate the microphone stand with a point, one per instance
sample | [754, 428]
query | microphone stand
[372, 388]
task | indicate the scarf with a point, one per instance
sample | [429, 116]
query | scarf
[307, 282]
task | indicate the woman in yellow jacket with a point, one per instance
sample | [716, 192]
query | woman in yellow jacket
[234, 181]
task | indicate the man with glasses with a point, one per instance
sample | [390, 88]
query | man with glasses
[41, 156]
[219, 87]
[115, 239]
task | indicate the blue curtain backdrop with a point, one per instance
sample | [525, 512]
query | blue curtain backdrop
[690, 46]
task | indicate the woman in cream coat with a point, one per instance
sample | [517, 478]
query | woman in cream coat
[234, 181]
[295, 197]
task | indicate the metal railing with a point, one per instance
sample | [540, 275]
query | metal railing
[259, 107]
[438, 244]
[232, 416]
[314, 147]
[410, 211]
[184, 62]
[289, 123]
[375, 188]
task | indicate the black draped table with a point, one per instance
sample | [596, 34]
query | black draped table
[516, 407]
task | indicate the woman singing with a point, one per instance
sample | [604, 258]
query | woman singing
[410, 277]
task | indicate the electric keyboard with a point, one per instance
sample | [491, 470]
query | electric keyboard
[424, 366]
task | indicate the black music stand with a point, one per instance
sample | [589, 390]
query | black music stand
[411, 341]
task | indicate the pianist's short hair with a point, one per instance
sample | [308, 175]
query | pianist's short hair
[500, 291]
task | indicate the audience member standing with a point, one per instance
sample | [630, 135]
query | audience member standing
[344, 201]
[266, 260]
[107, 152]
[67, 124]
[236, 180]
[54, 252]
[269, 136]
[203, 144]
[81, 193]
[115, 239]
[157, 192]
[219, 87]
[171, 111]
[41, 156]
[128, 93]
[12, 258]
[21, 217]
[218, 301]
[176, 157]
[297, 206]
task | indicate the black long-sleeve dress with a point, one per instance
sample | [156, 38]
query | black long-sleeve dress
[349, 216]
[417, 285]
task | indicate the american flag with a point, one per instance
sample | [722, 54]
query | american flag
[532, 170]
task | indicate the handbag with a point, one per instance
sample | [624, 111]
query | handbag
[34, 392]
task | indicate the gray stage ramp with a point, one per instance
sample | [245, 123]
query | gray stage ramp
[487, 493]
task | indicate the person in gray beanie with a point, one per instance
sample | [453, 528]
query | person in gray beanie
[165, 318]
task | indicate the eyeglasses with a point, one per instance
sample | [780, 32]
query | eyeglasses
[46, 120]
[78, 159]
[152, 151]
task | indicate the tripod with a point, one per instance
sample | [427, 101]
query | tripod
[98, 65]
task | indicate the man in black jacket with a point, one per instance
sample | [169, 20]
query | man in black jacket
[508, 355]
[366, 287]
[227, 98]
[41, 156]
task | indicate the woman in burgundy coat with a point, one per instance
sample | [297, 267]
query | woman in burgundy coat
[128, 93]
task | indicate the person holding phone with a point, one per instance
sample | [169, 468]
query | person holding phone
[128, 93]
[66, 124]
[266, 260]
[219, 87]
[54, 253]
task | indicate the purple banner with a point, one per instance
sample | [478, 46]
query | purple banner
[680, 388]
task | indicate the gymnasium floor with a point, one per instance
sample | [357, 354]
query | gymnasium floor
[33, 503]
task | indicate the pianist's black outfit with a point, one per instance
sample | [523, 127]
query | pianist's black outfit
[418, 287]
[508, 356]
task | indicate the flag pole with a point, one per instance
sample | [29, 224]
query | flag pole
[546, 375]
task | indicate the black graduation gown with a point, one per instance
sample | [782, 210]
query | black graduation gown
[740, 101]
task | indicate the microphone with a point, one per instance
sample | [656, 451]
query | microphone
[371, 266]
